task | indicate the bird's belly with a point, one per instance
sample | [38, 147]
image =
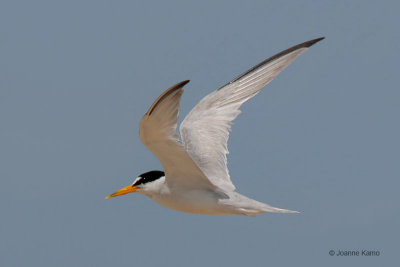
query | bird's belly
[193, 201]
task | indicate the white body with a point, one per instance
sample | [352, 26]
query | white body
[205, 201]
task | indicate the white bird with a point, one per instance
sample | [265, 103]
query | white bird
[196, 177]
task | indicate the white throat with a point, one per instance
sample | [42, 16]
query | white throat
[152, 188]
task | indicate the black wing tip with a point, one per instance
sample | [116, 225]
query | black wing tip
[283, 53]
[182, 83]
[165, 94]
[312, 42]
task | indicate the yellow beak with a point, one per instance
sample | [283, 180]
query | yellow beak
[123, 191]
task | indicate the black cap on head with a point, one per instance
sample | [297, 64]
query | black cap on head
[147, 177]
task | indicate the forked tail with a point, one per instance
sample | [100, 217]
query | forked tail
[264, 208]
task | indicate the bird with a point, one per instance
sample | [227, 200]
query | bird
[196, 178]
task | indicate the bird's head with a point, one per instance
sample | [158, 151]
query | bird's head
[146, 183]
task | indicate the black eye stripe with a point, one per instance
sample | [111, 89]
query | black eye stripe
[149, 177]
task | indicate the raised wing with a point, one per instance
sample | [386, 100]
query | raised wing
[158, 133]
[205, 130]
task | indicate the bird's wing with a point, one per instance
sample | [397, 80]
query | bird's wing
[205, 130]
[158, 133]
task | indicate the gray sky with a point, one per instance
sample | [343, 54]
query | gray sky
[323, 138]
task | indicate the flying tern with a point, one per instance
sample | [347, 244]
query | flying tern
[196, 177]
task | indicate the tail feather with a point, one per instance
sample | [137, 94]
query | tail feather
[265, 209]
[268, 208]
[250, 207]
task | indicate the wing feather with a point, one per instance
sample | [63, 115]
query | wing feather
[158, 134]
[205, 130]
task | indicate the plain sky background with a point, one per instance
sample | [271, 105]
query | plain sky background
[322, 138]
